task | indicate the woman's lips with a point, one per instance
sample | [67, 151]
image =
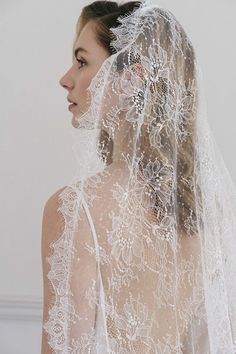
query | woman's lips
[72, 106]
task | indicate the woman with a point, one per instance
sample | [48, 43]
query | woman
[139, 252]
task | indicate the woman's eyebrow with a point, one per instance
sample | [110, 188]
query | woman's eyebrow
[79, 49]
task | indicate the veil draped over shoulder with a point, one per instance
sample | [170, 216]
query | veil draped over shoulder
[147, 259]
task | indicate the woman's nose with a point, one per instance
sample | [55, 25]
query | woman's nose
[66, 81]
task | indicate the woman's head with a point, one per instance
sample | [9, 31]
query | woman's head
[167, 57]
[94, 37]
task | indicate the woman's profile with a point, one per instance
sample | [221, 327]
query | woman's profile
[138, 251]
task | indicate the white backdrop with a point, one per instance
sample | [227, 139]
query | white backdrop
[35, 142]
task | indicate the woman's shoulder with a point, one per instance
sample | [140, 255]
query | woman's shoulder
[53, 201]
[52, 222]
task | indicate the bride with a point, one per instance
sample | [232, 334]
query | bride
[138, 252]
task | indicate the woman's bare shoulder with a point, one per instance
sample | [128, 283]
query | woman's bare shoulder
[53, 201]
[53, 222]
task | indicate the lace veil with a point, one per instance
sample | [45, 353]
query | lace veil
[147, 259]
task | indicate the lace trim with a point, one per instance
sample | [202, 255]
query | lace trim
[62, 313]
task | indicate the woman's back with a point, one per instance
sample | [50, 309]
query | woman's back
[120, 299]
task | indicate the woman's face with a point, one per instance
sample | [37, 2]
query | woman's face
[87, 59]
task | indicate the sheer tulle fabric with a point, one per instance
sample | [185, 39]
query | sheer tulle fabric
[147, 260]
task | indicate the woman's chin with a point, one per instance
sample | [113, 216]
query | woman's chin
[75, 120]
[79, 121]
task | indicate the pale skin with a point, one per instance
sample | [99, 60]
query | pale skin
[76, 80]
[84, 67]
[88, 56]
[52, 227]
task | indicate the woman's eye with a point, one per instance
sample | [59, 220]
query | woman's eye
[80, 61]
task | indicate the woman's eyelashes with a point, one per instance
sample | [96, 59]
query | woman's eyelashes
[81, 62]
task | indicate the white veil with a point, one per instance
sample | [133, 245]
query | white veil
[147, 259]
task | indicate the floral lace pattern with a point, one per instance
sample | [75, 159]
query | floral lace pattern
[146, 261]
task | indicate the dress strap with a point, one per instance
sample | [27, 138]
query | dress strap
[101, 289]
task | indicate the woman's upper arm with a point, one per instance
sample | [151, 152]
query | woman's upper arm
[52, 228]
[83, 268]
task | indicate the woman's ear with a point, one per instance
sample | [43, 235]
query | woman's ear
[138, 68]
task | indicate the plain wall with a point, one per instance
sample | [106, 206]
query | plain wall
[35, 142]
